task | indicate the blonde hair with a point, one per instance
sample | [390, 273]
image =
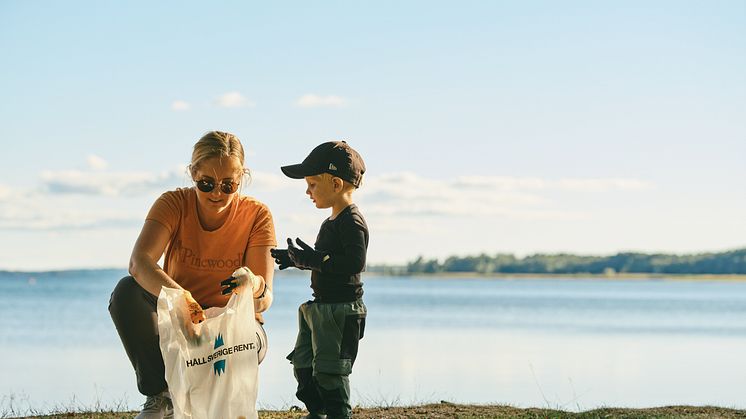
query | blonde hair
[216, 144]
[328, 177]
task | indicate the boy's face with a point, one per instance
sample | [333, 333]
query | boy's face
[321, 190]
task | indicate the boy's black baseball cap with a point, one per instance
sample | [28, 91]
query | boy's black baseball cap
[334, 157]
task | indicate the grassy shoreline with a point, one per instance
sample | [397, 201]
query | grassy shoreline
[451, 410]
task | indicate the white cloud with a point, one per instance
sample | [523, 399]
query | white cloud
[85, 199]
[413, 195]
[4, 192]
[267, 181]
[180, 105]
[41, 218]
[233, 100]
[409, 214]
[109, 183]
[33, 209]
[503, 183]
[407, 194]
[96, 162]
[568, 184]
[316, 101]
[603, 185]
[100, 199]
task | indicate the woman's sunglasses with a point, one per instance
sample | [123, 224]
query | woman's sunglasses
[226, 186]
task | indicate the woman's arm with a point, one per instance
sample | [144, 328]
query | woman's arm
[259, 260]
[148, 249]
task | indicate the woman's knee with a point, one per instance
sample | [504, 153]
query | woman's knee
[128, 294]
[124, 290]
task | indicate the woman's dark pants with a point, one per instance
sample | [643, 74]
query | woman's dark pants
[135, 315]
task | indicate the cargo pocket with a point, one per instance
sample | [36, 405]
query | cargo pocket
[354, 328]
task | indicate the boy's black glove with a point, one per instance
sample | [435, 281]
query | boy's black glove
[305, 257]
[282, 258]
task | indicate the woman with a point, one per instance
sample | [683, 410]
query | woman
[204, 233]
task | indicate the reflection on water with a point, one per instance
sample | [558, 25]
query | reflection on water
[572, 344]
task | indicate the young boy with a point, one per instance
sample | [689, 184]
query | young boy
[331, 324]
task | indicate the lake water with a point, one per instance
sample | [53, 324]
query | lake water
[573, 344]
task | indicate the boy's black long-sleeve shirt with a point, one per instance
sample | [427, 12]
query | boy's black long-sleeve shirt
[345, 240]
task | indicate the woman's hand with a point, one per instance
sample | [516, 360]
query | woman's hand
[195, 310]
[242, 277]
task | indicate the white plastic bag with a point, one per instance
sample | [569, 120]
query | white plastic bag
[211, 367]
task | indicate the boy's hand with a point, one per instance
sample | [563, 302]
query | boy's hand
[195, 310]
[242, 276]
[282, 258]
[305, 257]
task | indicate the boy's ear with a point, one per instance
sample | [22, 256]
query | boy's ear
[338, 184]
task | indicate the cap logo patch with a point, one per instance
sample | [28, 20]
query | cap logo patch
[332, 166]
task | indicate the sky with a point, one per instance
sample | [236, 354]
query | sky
[519, 127]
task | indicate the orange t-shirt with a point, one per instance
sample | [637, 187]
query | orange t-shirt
[198, 259]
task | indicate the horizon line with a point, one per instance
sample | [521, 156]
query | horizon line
[387, 264]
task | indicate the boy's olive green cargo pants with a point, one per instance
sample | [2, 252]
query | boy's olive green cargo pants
[325, 350]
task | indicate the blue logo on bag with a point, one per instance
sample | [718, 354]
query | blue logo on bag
[219, 367]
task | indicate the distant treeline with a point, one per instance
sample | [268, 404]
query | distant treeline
[733, 262]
